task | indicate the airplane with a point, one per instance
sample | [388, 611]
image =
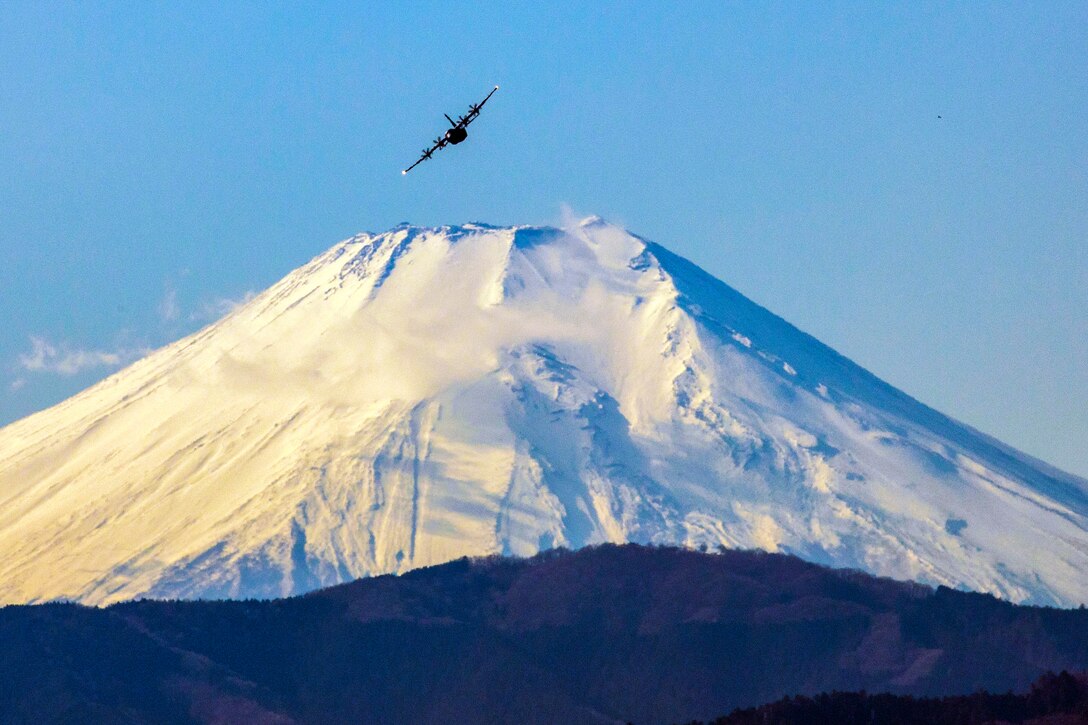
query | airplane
[455, 134]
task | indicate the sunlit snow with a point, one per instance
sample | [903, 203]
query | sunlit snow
[415, 396]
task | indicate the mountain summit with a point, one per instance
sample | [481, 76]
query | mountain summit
[411, 397]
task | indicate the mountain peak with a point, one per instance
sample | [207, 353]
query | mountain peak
[426, 393]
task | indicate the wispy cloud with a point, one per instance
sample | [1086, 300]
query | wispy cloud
[571, 221]
[214, 309]
[168, 306]
[568, 218]
[62, 359]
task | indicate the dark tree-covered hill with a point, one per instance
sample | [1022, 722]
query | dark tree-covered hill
[606, 634]
[1054, 699]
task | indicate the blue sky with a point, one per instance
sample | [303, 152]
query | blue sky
[161, 161]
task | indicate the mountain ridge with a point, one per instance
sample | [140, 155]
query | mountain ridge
[414, 396]
[1017, 459]
[604, 634]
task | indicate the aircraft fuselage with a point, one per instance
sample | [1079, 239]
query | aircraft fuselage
[456, 135]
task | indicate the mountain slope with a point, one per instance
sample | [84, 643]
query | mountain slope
[602, 635]
[411, 397]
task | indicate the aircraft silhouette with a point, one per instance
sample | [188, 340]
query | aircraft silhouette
[455, 134]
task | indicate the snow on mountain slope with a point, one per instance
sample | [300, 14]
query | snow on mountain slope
[423, 394]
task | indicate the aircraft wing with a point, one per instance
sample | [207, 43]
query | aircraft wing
[439, 144]
[474, 111]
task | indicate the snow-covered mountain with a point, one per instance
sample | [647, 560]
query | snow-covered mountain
[414, 396]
